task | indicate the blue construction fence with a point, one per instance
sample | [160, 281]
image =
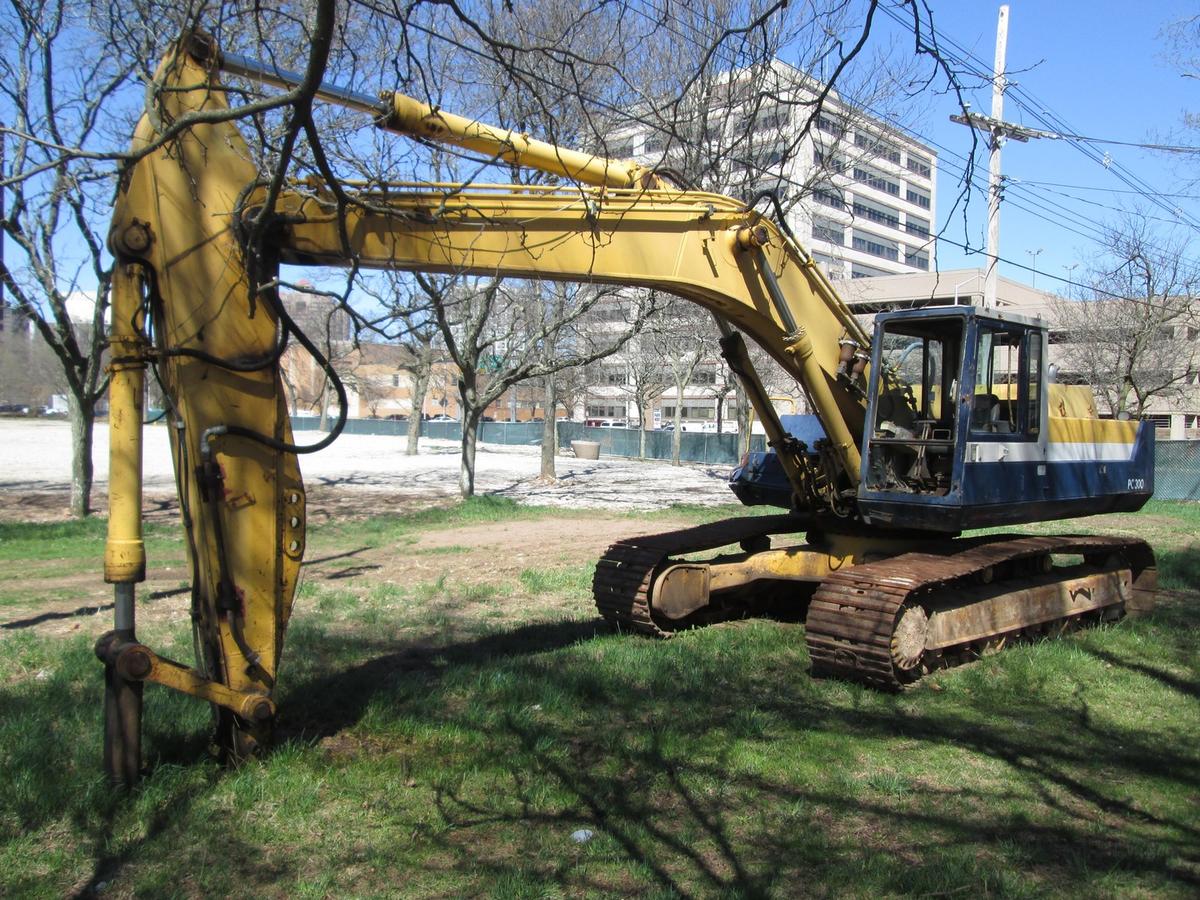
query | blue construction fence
[1177, 470]
[1176, 463]
[697, 447]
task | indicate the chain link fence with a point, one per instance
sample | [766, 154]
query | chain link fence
[1177, 470]
[695, 447]
[1176, 463]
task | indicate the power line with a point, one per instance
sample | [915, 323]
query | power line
[1024, 98]
[1041, 113]
[625, 113]
[1086, 187]
[1078, 220]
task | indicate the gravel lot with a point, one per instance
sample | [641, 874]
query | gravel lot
[35, 472]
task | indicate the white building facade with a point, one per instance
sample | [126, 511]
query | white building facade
[859, 194]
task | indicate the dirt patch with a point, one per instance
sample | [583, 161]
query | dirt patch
[65, 601]
[54, 505]
[494, 554]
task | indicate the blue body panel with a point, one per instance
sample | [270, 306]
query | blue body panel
[760, 479]
[995, 478]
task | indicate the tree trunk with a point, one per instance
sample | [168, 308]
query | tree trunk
[743, 415]
[83, 414]
[470, 437]
[641, 432]
[550, 429]
[420, 386]
[323, 425]
[677, 436]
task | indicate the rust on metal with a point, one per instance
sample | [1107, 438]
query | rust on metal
[626, 574]
[887, 621]
[859, 627]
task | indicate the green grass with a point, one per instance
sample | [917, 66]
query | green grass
[575, 581]
[36, 541]
[426, 749]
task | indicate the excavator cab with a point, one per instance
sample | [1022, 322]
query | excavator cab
[961, 432]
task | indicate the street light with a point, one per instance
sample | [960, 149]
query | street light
[960, 284]
[1033, 268]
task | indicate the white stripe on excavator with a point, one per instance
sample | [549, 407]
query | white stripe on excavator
[1027, 451]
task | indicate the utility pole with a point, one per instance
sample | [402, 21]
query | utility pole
[998, 131]
[999, 83]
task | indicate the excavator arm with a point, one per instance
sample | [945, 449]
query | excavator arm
[186, 306]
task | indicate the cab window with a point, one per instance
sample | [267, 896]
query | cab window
[1007, 395]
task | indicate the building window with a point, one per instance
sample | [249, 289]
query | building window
[597, 411]
[830, 125]
[913, 225]
[881, 149]
[830, 163]
[917, 259]
[653, 145]
[917, 196]
[615, 377]
[690, 412]
[769, 158]
[775, 118]
[830, 196]
[876, 246]
[919, 165]
[395, 381]
[858, 270]
[881, 214]
[874, 179]
[828, 230]
[704, 376]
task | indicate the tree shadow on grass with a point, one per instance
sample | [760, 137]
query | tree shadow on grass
[665, 751]
[635, 756]
[84, 611]
[323, 705]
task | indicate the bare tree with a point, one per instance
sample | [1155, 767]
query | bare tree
[564, 71]
[725, 384]
[497, 332]
[1135, 339]
[570, 347]
[682, 338]
[52, 208]
[29, 371]
[647, 374]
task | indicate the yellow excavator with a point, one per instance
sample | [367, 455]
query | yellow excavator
[938, 421]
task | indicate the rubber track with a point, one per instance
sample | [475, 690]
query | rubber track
[854, 612]
[625, 574]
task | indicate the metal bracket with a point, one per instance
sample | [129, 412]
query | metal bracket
[137, 662]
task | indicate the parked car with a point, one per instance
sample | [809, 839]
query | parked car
[442, 418]
[397, 417]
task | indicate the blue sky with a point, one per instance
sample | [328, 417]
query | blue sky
[1099, 67]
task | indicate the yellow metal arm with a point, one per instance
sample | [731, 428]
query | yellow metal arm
[412, 117]
[689, 243]
[216, 344]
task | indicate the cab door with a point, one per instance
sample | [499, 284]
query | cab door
[1005, 418]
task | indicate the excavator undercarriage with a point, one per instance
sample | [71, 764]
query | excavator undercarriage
[882, 611]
